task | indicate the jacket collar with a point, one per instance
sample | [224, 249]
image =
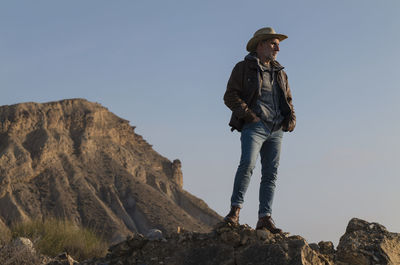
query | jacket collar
[252, 59]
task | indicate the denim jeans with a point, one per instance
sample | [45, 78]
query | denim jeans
[256, 138]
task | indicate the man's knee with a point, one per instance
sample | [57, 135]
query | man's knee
[246, 165]
[269, 177]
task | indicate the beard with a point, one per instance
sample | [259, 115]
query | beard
[272, 57]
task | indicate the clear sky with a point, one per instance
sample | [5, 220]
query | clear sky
[164, 65]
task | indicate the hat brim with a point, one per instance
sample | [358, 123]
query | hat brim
[252, 43]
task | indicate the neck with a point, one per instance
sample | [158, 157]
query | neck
[264, 60]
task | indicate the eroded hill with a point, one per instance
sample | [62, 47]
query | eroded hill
[75, 159]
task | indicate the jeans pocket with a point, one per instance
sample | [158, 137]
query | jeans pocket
[249, 125]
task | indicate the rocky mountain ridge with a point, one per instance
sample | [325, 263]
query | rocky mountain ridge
[74, 159]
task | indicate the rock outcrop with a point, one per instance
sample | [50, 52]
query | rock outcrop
[363, 244]
[75, 159]
[21, 251]
[226, 245]
[368, 243]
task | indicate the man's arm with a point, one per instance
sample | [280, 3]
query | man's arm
[232, 96]
[289, 123]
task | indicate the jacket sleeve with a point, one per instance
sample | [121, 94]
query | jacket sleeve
[233, 95]
[289, 122]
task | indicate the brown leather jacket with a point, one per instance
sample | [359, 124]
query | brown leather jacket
[243, 90]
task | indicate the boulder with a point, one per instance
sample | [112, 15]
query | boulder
[367, 243]
[20, 251]
[154, 234]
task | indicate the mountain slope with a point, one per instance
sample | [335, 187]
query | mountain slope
[75, 159]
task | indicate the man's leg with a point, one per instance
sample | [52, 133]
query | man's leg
[252, 137]
[270, 153]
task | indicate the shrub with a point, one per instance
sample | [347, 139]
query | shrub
[53, 236]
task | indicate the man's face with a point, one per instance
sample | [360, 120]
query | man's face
[268, 49]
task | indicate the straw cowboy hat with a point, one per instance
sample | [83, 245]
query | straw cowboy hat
[263, 34]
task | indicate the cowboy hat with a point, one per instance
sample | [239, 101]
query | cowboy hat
[263, 34]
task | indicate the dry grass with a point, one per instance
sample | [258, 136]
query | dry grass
[52, 236]
[5, 235]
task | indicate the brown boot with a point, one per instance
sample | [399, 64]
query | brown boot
[268, 223]
[233, 215]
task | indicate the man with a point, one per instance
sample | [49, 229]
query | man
[259, 96]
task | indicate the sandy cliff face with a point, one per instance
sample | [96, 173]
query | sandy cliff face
[75, 159]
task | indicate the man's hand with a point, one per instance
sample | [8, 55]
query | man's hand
[251, 117]
[288, 124]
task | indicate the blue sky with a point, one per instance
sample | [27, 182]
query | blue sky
[164, 65]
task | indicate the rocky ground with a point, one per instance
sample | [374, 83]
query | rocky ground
[363, 243]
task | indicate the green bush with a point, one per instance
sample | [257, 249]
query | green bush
[52, 237]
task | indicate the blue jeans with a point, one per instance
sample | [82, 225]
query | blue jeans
[256, 138]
